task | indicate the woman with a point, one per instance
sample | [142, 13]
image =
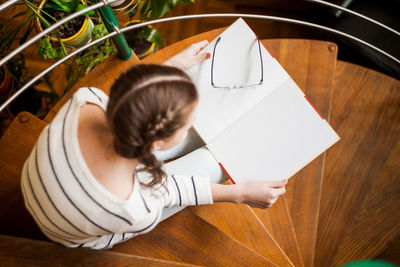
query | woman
[93, 178]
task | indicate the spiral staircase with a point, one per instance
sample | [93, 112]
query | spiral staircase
[343, 207]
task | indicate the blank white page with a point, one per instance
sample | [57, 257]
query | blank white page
[236, 61]
[275, 139]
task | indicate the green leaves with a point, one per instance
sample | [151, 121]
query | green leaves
[46, 50]
[68, 6]
[154, 9]
[82, 6]
[60, 5]
[151, 35]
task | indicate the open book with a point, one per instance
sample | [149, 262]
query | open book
[265, 131]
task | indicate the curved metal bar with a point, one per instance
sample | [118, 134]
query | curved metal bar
[132, 27]
[355, 14]
[252, 16]
[51, 28]
[7, 4]
[50, 68]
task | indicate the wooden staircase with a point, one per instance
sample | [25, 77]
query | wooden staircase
[342, 207]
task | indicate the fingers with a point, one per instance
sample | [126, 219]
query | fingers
[276, 192]
[277, 184]
[197, 47]
[200, 57]
[204, 56]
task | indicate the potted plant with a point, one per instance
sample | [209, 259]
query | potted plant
[74, 33]
[91, 57]
[145, 40]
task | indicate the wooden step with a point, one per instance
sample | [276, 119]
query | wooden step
[358, 170]
[278, 221]
[15, 147]
[391, 253]
[311, 65]
[187, 238]
[378, 221]
[15, 251]
[240, 223]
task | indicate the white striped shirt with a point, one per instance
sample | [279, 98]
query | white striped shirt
[72, 208]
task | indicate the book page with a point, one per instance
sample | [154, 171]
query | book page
[236, 61]
[275, 139]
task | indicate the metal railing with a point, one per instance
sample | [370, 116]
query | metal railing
[117, 31]
[355, 14]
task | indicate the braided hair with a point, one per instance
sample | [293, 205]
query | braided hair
[147, 103]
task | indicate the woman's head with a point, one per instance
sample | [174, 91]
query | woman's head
[150, 107]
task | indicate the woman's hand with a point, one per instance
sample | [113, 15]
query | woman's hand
[257, 194]
[262, 194]
[189, 57]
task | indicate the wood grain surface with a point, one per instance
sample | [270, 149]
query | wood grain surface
[279, 223]
[240, 223]
[375, 225]
[311, 64]
[366, 115]
[15, 147]
[16, 251]
[186, 237]
[391, 253]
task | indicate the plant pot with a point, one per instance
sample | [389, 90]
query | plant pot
[31, 101]
[124, 6]
[140, 46]
[81, 37]
[5, 83]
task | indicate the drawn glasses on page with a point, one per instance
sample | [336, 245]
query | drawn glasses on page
[241, 85]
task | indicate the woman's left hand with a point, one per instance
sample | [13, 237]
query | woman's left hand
[189, 57]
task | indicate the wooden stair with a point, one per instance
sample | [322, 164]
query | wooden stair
[342, 207]
[17, 251]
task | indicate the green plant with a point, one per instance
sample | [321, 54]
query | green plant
[151, 10]
[91, 57]
[15, 67]
[68, 6]
[36, 12]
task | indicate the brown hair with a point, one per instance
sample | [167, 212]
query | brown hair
[147, 103]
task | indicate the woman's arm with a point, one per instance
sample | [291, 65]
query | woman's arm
[258, 194]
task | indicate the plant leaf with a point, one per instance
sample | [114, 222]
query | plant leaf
[185, 2]
[53, 6]
[82, 6]
[27, 32]
[151, 35]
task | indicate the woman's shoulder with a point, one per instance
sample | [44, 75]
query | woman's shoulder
[91, 94]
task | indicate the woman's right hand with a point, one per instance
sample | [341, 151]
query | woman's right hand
[257, 194]
[261, 194]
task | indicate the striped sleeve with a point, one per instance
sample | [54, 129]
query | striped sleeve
[187, 190]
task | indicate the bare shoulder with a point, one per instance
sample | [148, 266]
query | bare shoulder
[95, 142]
[91, 134]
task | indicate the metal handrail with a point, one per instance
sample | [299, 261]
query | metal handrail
[7, 4]
[132, 27]
[355, 14]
